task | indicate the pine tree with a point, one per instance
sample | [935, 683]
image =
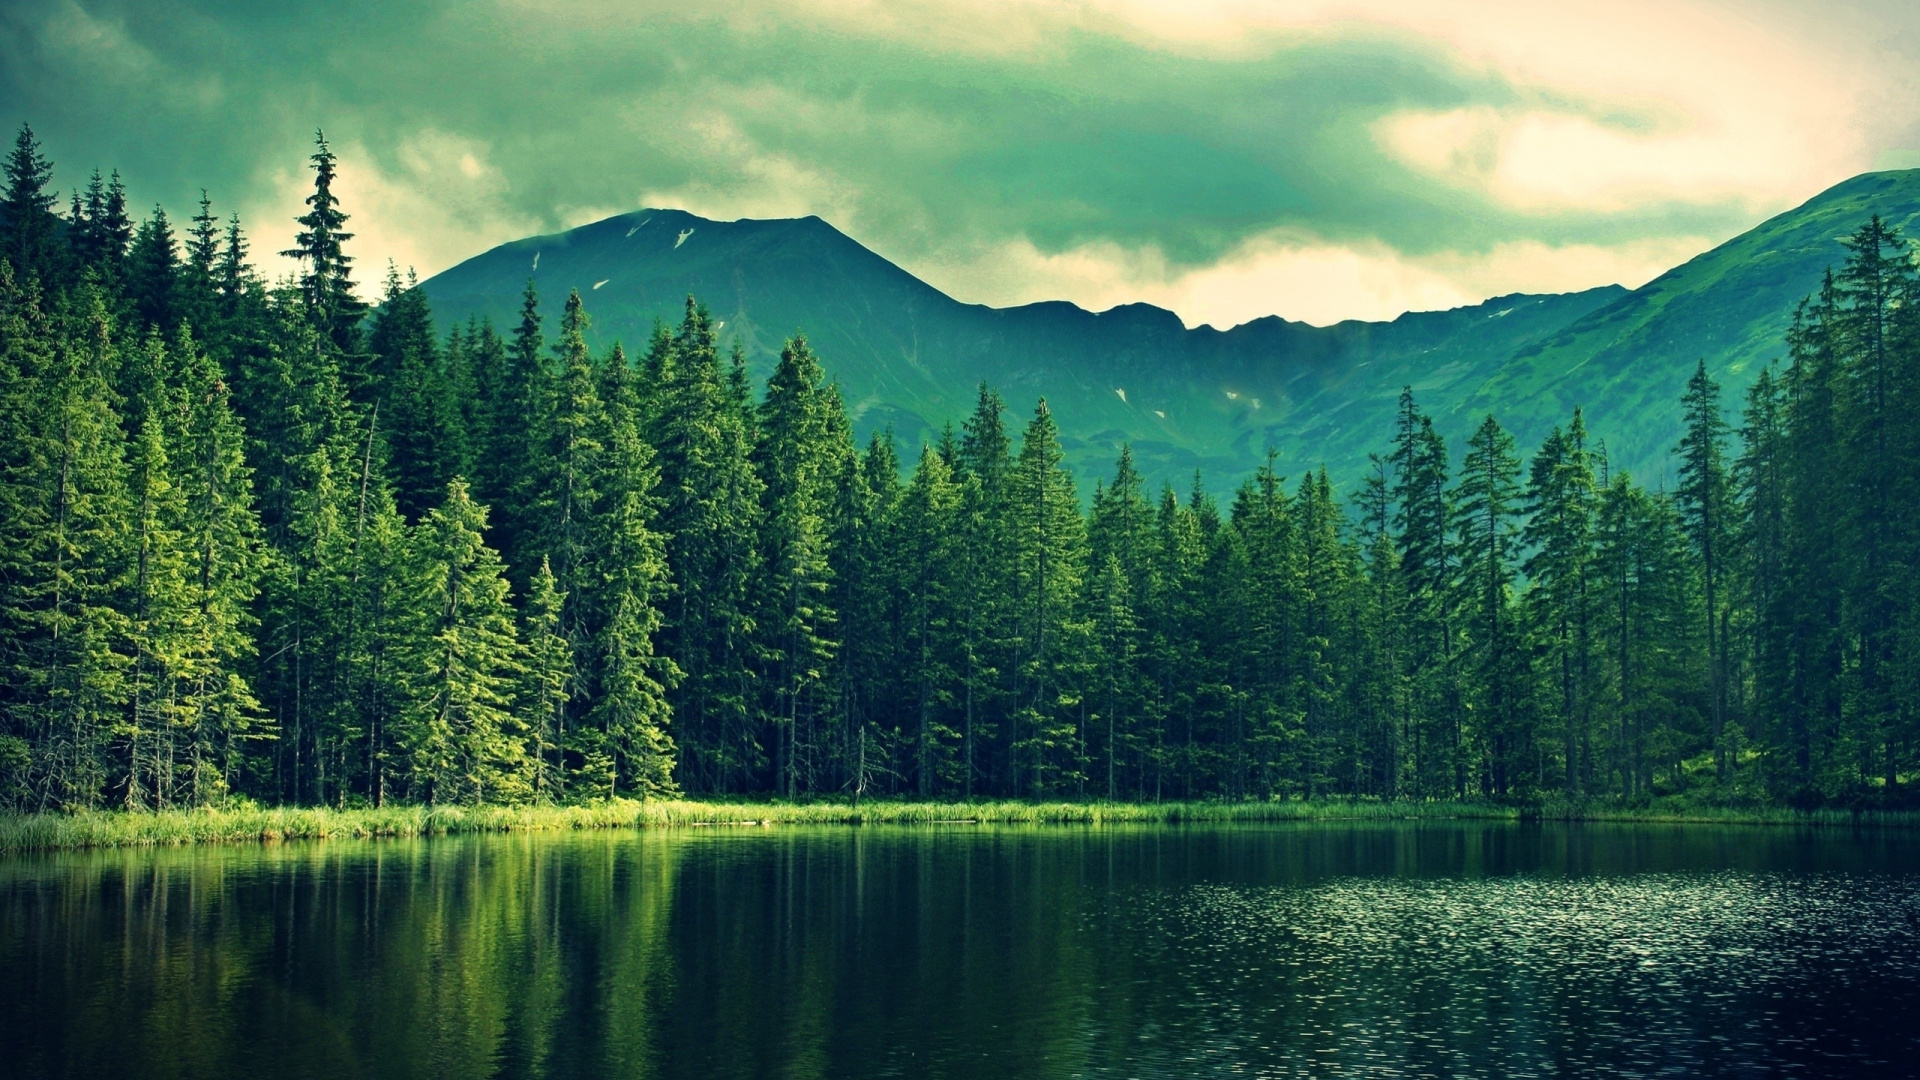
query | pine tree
[1122, 525]
[509, 455]
[469, 354]
[1559, 536]
[234, 274]
[1049, 548]
[220, 531]
[710, 509]
[1121, 541]
[1487, 531]
[157, 604]
[153, 270]
[864, 498]
[326, 278]
[419, 421]
[466, 743]
[1703, 500]
[66, 550]
[1761, 476]
[1327, 573]
[198, 294]
[1428, 562]
[546, 685]
[83, 239]
[26, 348]
[376, 584]
[983, 466]
[924, 540]
[1388, 683]
[1815, 513]
[1117, 679]
[29, 224]
[334, 602]
[1273, 596]
[483, 374]
[627, 588]
[1879, 386]
[801, 437]
[1171, 627]
[113, 231]
[563, 470]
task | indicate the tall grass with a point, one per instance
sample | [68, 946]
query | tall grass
[95, 829]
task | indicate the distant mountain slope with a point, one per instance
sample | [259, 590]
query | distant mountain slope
[1628, 362]
[909, 356]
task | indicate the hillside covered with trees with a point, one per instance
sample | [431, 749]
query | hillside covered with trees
[259, 539]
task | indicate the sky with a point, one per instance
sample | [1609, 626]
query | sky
[1226, 159]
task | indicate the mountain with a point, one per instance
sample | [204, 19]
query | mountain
[1629, 360]
[909, 356]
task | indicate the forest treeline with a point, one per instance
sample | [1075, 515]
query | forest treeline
[265, 540]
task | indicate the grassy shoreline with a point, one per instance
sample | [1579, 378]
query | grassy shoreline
[102, 829]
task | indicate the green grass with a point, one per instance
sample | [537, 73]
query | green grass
[249, 824]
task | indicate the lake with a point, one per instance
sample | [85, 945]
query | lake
[1450, 949]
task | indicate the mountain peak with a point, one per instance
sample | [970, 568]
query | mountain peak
[909, 357]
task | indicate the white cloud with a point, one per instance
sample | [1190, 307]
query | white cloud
[1299, 277]
[1616, 109]
[1621, 107]
[756, 182]
[1623, 104]
[1544, 161]
[440, 201]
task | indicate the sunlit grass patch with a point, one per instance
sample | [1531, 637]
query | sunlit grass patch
[255, 824]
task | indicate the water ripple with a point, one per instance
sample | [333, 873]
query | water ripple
[1645, 975]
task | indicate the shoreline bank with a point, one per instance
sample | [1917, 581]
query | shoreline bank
[53, 831]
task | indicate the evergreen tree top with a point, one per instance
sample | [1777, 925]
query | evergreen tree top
[27, 216]
[28, 174]
[327, 284]
[203, 243]
[323, 235]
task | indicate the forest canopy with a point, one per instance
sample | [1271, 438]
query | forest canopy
[266, 540]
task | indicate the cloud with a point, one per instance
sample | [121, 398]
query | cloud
[439, 200]
[1226, 158]
[1299, 277]
[755, 181]
[1540, 161]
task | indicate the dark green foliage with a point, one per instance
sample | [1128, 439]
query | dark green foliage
[1561, 503]
[67, 552]
[507, 447]
[547, 684]
[464, 738]
[1048, 549]
[412, 392]
[1486, 515]
[99, 229]
[1704, 499]
[246, 551]
[29, 226]
[197, 294]
[710, 511]
[802, 438]
[625, 745]
[153, 271]
[925, 541]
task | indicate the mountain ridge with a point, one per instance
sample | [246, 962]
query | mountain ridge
[909, 356]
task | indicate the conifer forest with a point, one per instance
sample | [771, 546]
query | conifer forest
[292, 541]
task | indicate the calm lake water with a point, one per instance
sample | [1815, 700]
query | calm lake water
[971, 951]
